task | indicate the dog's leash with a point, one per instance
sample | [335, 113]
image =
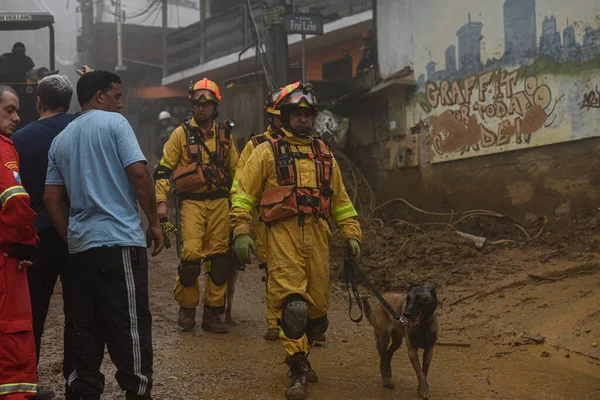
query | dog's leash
[351, 271]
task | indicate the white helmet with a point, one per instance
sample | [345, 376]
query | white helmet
[164, 115]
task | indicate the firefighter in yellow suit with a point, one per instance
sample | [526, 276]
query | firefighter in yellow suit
[273, 131]
[204, 208]
[296, 185]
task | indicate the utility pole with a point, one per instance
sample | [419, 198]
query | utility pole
[165, 31]
[87, 32]
[119, 21]
[276, 41]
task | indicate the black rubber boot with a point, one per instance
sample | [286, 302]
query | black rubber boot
[187, 318]
[43, 394]
[272, 334]
[211, 320]
[299, 367]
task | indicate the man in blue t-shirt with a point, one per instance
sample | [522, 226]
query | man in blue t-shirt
[96, 160]
[32, 143]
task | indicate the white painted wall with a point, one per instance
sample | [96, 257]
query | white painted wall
[552, 98]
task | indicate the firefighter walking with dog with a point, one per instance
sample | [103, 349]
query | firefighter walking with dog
[200, 158]
[273, 131]
[295, 183]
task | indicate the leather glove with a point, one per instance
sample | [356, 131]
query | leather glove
[354, 246]
[22, 252]
[243, 246]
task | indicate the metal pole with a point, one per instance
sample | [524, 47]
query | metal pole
[52, 51]
[303, 57]
[87, 32]
[119, 20]
[276, 42]
[165, 30]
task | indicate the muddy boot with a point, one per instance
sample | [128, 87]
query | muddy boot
[272, 334]
[43, 394]
[187, 318]
[211, 321]
[299, 368]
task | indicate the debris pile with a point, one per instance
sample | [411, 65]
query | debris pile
[393, 261]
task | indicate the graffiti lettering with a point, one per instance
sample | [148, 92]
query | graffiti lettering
[591, 99]
[483, 122]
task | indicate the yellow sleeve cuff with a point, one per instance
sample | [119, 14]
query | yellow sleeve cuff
[244, 201]
[344, 212]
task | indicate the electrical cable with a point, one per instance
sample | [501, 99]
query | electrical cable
[271, 84]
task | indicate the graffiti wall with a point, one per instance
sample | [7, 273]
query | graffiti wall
[495, 75]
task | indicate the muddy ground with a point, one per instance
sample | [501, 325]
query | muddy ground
[490, 299]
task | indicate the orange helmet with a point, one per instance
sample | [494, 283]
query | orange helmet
[204, 90]
[297, 95]
[270, 103]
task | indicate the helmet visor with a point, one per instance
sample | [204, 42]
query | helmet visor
[203, 95]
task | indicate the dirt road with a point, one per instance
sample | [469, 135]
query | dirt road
[486, 300]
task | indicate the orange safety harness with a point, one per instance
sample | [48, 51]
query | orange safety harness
[258, 139]
[288, 199]
[197, 174]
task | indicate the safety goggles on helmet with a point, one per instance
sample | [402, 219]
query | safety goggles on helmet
[204, 90]
[203, 96]
[300, 99]
[298, 94]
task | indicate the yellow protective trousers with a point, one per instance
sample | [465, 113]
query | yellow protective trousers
[205, 231]
[260, 230]
[298, 262]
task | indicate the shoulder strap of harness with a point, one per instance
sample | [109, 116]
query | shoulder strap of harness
[193, 141]
[284, 161]
[223, 143]
[323, 161]
[258, 139]
[286, 167]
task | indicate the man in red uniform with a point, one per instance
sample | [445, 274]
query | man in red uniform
[17, 245]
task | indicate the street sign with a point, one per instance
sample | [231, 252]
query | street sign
[308, 24]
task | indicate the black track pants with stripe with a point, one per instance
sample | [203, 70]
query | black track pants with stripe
[111, 307]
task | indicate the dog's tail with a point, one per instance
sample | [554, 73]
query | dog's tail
[368, 310]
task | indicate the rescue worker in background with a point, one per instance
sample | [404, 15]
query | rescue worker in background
[296, 184]
[18, 63]
[366, 60]
[273, 131]
[165, 130]
[17, 247]
[201, 158]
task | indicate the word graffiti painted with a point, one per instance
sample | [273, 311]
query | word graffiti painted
[490, 110]
[591, 99]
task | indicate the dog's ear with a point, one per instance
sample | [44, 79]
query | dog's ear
[434, 287]
[414, 285]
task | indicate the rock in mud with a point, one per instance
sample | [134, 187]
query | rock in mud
[545, 354]
[537, 339]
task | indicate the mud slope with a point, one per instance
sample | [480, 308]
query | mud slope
[488, 298]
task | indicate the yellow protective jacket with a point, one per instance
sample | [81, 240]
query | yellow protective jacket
[259, 173]
[245, 155]
[175, 155]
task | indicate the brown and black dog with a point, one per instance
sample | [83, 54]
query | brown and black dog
[421, 332]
